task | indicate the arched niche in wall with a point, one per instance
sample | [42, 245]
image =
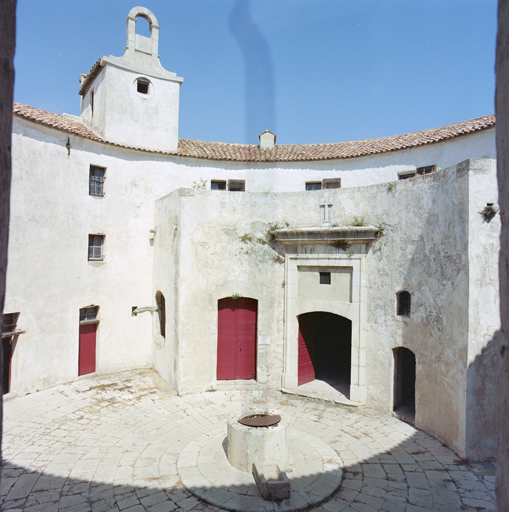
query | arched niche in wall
[403, 303]
[161, 312]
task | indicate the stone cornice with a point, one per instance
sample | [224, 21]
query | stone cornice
[327, 235]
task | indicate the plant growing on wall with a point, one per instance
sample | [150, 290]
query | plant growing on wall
[358, 221]
[274, 226]
[380, 230]
[391, 187]
[246, 237]
[488, 212]
[340, 244]
[201, 184]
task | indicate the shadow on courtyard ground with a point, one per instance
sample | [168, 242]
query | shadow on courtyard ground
[112, 443]
[377, 483]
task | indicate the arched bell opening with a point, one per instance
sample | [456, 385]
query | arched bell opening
[325, 350]
[143, 25]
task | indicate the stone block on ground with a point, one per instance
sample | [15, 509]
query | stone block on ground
[272, 482]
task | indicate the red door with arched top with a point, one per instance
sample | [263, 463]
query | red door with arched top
[236, 338]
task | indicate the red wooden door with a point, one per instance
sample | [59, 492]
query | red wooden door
[87, 349]
[236, 339]
[306, 371]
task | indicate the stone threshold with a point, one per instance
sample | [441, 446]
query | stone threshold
[316, 393]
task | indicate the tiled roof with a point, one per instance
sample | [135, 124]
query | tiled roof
[87, 82]
[58, 121]
[279, 153]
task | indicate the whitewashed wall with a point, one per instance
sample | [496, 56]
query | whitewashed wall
[485, 339]
[49, 278]
[424, 249]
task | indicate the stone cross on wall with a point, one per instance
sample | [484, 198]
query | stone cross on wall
[326, 211]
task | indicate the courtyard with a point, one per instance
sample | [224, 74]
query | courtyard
[116, 442]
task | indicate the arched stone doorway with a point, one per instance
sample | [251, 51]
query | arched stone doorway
[325, 349]
[404, 383]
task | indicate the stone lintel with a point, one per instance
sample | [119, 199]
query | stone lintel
[326, 235]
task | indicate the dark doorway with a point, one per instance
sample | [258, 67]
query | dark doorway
[7, 359]
[236, 338]
[404, 383]
[325, 350]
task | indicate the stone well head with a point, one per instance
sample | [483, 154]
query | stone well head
[247, 444]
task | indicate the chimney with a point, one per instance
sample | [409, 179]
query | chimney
[267, 140]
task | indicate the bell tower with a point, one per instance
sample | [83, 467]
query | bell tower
[132, 99]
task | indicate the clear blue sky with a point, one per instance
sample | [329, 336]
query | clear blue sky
[308, 70]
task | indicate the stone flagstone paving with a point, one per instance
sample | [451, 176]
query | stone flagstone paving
[112, 443]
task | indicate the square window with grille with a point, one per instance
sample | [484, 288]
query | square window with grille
[236, 185]
[96, 181]
[218, 185]
[325, 278]
[89, 314]
[95, 247]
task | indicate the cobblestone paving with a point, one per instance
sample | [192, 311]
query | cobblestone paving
[111, 443]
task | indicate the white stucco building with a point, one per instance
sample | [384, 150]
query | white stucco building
[130, 247]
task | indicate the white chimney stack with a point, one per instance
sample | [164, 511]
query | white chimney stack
[267, 140]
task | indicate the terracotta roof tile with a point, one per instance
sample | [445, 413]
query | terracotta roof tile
[58, 121]
[279, 153]
[85, 86]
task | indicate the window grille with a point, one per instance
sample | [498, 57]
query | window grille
[89, 314]
[331, 183]
[426, 170]
[314, 185]
[96, 181]
[95, 247]
[328, 183]
[236, 185]
[217, 185]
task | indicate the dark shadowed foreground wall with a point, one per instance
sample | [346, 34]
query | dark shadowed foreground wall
[502, 111]
[7, 44]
